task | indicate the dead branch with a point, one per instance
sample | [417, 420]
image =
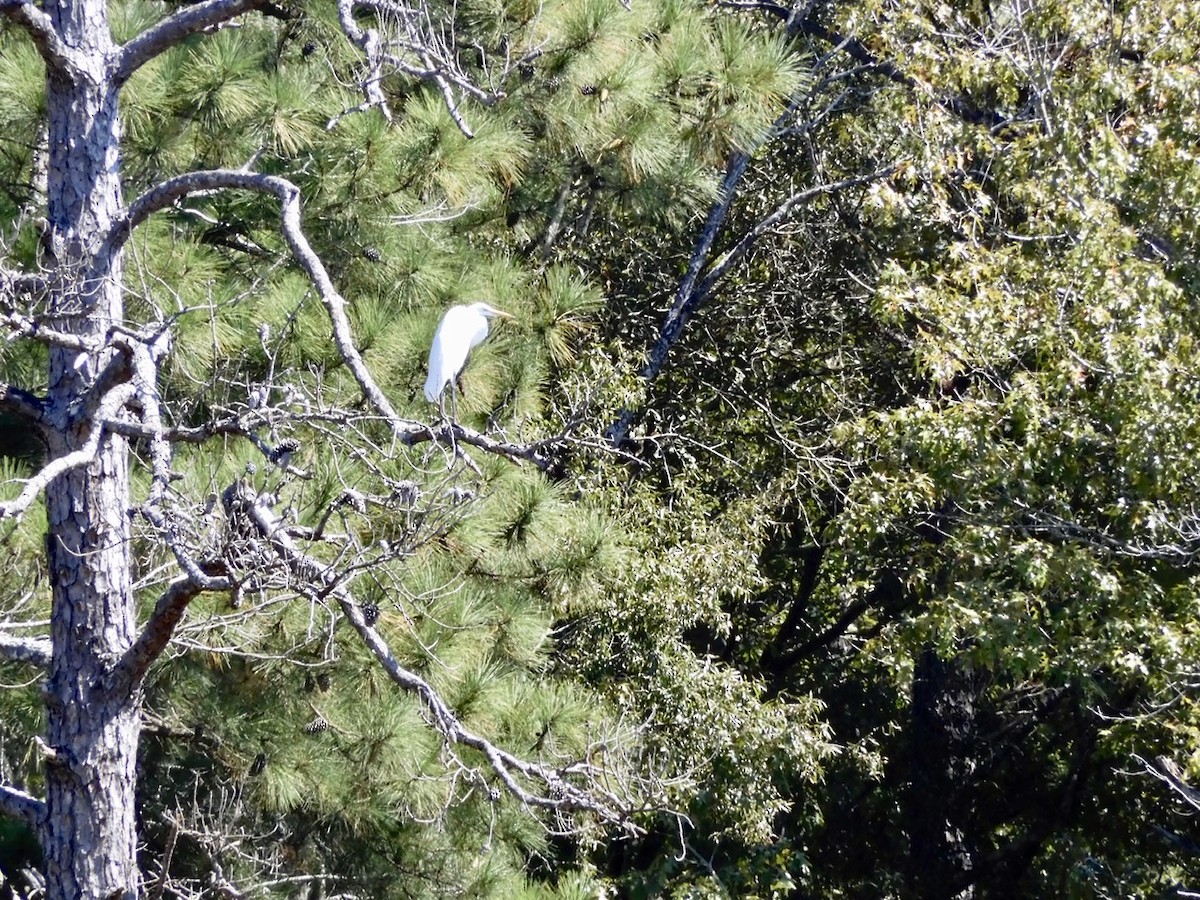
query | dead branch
[108, 407]
[1168, 772]
[21, 283]
[559, 788]
[409, 432]
[20, 805]
[35, 651]
[156, 633]
[409, 42]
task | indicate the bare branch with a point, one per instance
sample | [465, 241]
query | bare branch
[22, 325]
[454, 433]
[40, 27]
[109, 405]
[681, 309]
[20, 283]
[693, 291]
[1168, 772]
[409, 34]
[410, 432]
[156, 634]
[16, 400]
[171, 30]
[20, 805]
[35, 651]
[196, 434]
[561, 792]
[288, 195]
[722, 266]
[369, 43]
[1183, 551]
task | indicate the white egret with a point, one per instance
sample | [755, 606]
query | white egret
[462, 328]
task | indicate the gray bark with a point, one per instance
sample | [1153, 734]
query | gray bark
[89, 834]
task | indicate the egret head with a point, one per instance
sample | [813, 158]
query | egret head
[486, 309]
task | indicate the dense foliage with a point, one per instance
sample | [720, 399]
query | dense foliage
[889, 590]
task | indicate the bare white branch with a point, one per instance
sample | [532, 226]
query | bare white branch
[35, 651]
[408, 41]
[20, 283]
[113, 401]
[169, 192]
[1167, 771]
[288, 195]
[369, 42]
[735, 253]
[20, 805]
[560, 790]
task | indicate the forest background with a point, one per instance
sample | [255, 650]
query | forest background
[824, 525]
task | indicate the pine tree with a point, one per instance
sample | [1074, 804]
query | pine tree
[299, 633]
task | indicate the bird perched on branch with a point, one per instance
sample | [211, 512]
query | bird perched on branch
[461, 329]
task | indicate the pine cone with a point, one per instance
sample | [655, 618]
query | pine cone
[316, 726]
[587, 90]
[260, 763]
[370, 613]
[284, 451]
[407, 493]
[374, 254]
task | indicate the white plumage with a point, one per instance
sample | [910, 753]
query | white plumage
[461, 329]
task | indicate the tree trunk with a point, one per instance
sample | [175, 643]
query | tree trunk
[942, 849]
[89, 835]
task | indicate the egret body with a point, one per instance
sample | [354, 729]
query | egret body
[461, 329]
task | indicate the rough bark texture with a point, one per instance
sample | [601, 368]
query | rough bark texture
[89, 835]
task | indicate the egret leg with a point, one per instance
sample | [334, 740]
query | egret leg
[453, 416]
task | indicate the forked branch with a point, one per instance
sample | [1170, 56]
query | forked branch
[561, 790]
[407, 42]
[169, 192]
[57, 54]
[108, 407]
[156, 633]
[694, 290]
